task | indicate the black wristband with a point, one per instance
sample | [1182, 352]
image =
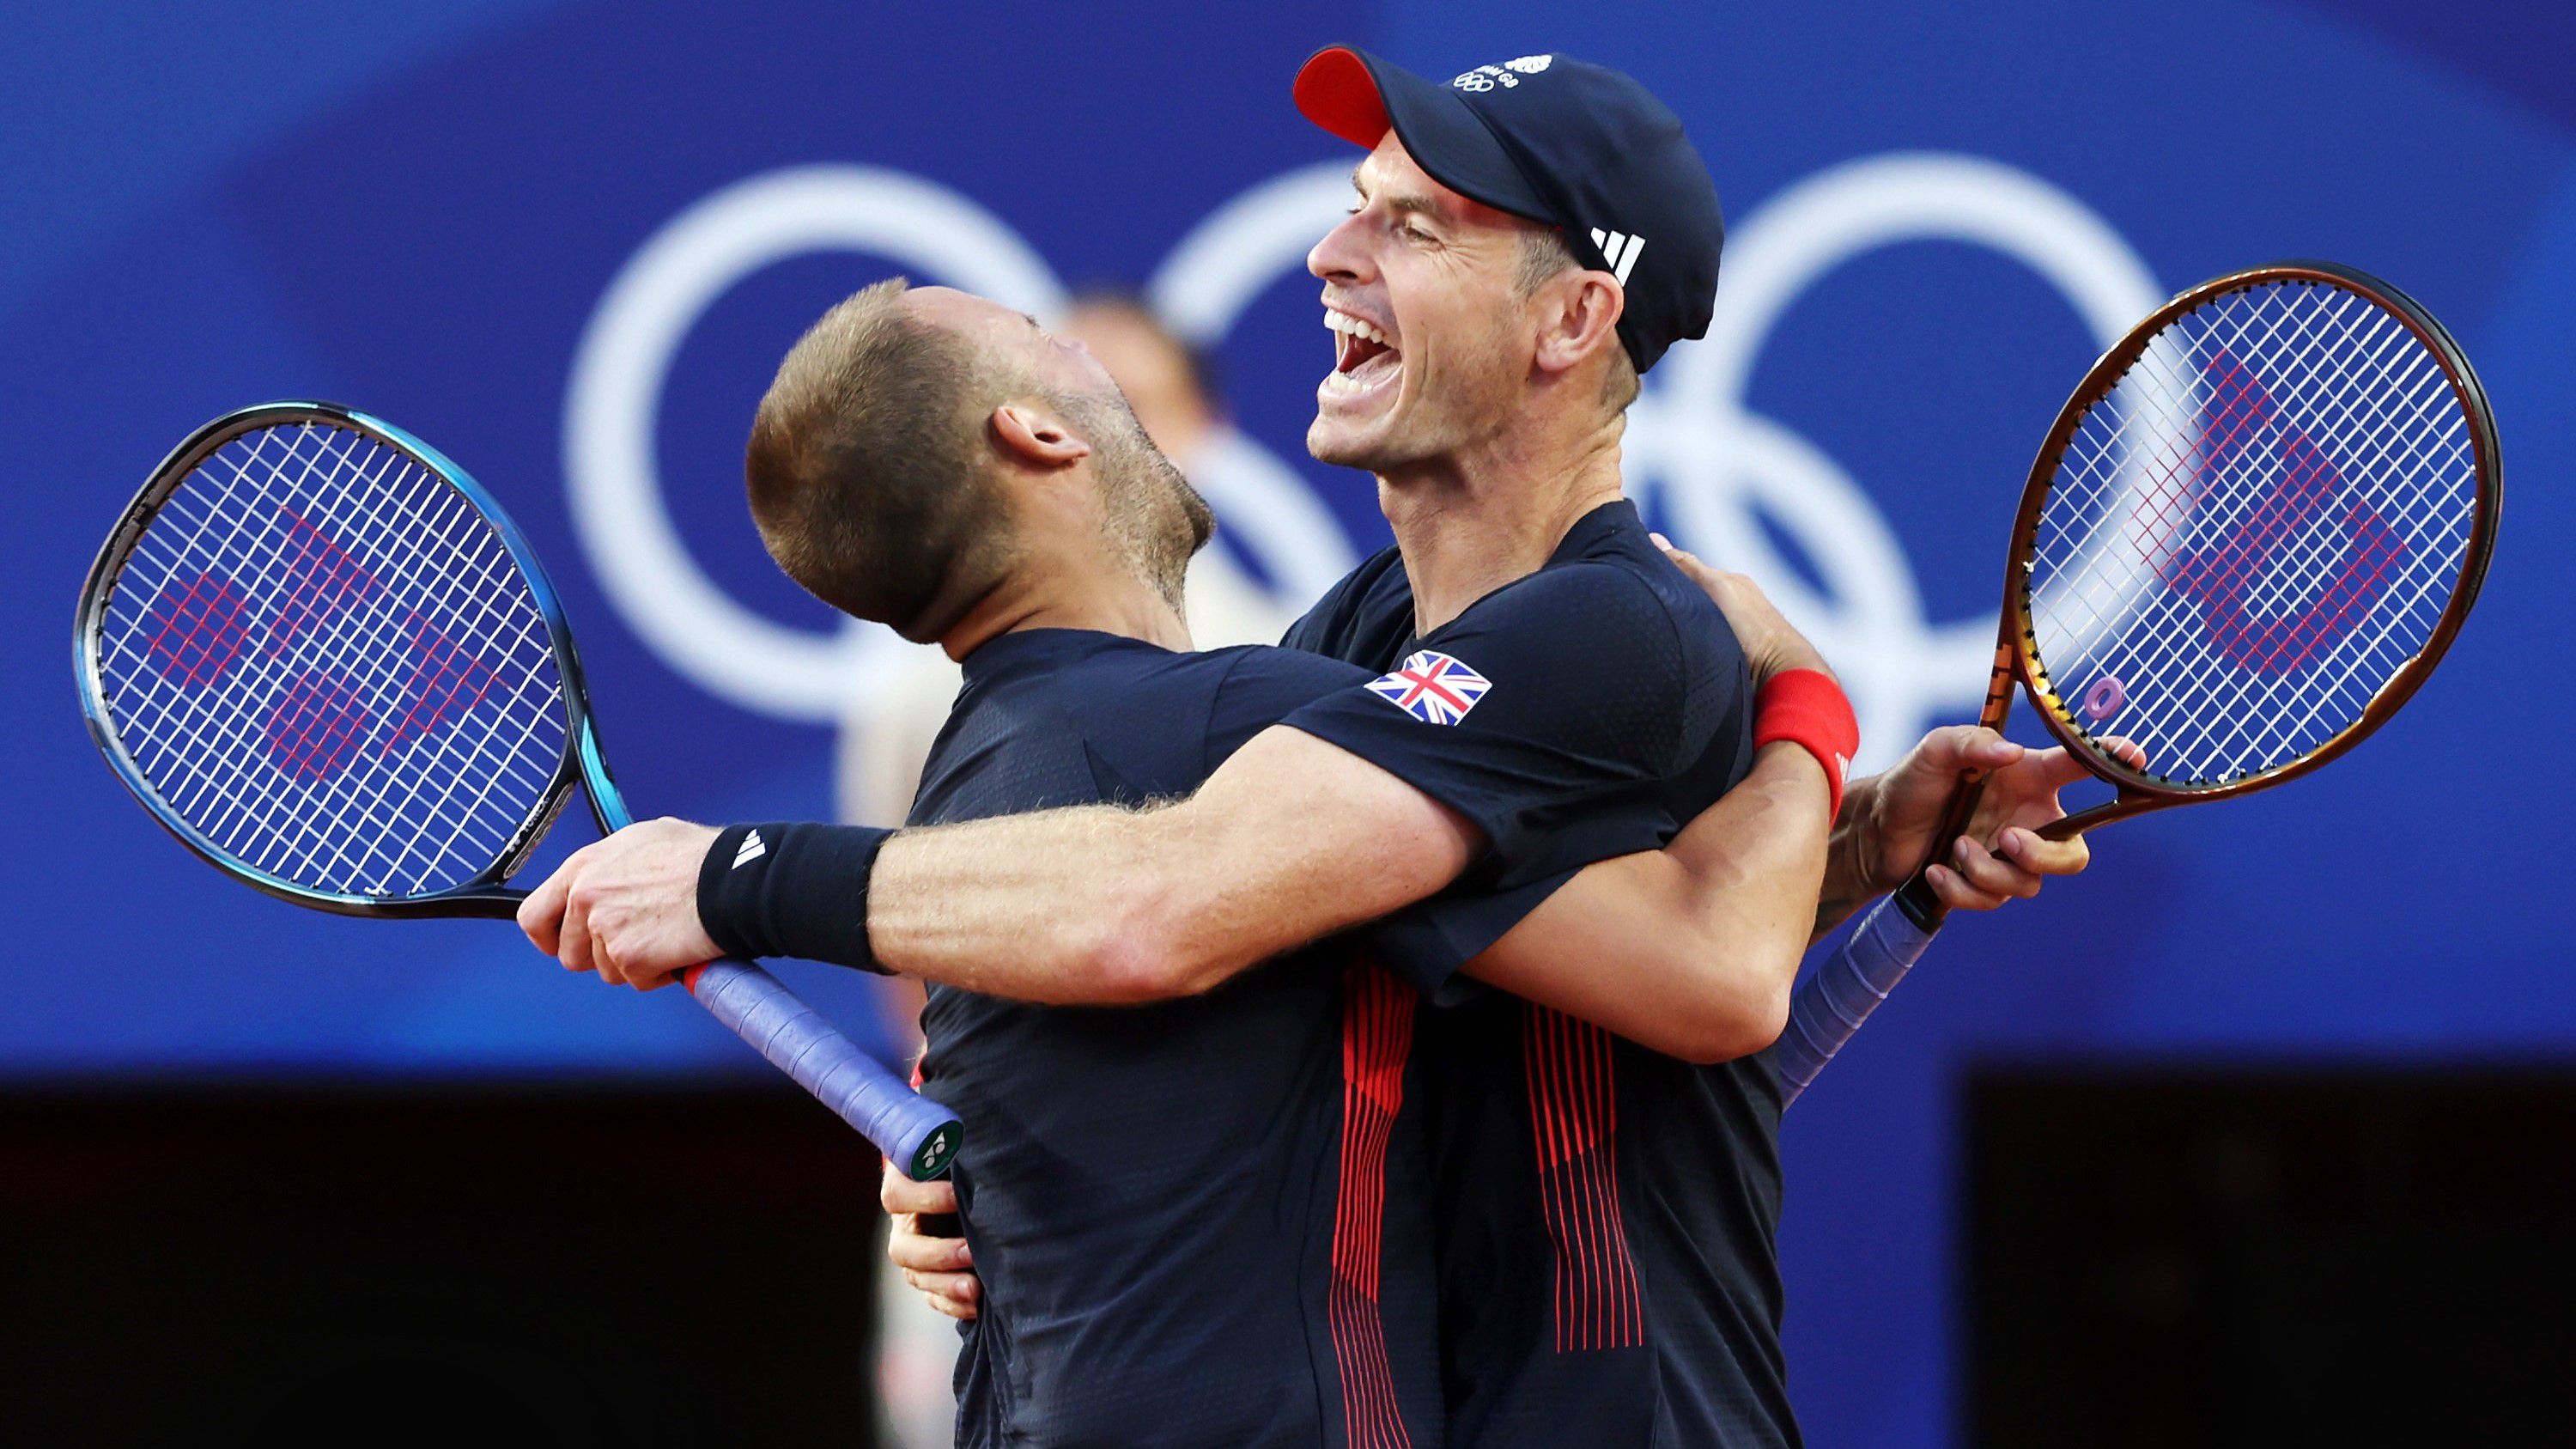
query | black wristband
[789, 889]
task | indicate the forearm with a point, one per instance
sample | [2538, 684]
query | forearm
[1290, 841]
[1848, 882]
[1689, 950]
[1756, 860]
[1032, 907]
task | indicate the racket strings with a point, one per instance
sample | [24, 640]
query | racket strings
[2359, 553]
[314, 725]
[160, 716]
[314, 718]
[2218, 429]
[2266, 518]
[2253, 531]
[2374, 546]
[322, 574]
[2262, 520]
[325, 661]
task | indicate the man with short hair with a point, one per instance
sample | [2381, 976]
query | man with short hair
[1161, 1200]
[886, 734]
[1555, 692]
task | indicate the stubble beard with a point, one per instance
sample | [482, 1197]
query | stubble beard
[1157, 521]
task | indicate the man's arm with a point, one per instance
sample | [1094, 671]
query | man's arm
[1290, 840]
[1692, 950]
[1356, 805]
[1689, 950]
[1884, 830]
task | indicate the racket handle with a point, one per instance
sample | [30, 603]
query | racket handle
[911, 1130]
[1844, 991]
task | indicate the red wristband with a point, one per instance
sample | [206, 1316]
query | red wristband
[1806, 708]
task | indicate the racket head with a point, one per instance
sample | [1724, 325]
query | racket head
[322, 656]
[2251, 534]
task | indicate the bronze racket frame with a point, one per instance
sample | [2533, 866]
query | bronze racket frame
[2016, 646]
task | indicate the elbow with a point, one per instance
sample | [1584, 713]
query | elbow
[1140, 950]
[1726, 1039]
[1770, 1014]
[1735, 1017]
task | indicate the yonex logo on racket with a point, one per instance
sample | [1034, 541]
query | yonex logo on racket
[319, 711]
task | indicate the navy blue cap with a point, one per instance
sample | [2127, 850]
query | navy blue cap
[1562, 142]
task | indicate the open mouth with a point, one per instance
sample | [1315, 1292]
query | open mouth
[1363, 357]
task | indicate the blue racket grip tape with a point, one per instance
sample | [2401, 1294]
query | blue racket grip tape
[914, 1133]
[1843, 992]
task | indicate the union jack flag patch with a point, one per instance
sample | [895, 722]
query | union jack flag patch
[1432, 688]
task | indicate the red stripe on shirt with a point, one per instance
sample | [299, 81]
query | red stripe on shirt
[1377, 1036]
[1574, 1122]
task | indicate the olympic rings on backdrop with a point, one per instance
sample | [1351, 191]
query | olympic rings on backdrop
[1690, 436]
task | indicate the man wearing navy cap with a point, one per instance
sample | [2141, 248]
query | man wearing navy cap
[1606, 1212]
[1584, 152]
[1527, 240]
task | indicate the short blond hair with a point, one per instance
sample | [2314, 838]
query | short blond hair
[1545, 256]
[865, 474]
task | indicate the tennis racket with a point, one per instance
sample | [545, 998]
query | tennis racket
[2250, 536]
[327, 662]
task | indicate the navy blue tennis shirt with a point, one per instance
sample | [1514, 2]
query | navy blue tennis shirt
[1606, 1214]
[1198, 1222]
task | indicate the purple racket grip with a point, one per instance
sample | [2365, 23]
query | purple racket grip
[915, 1133]
[1843, 992]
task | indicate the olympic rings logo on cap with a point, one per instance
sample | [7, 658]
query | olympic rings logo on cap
[1692, 442]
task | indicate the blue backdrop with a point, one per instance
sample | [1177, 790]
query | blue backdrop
[567, 242]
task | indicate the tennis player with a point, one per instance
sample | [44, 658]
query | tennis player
[1622, 1285]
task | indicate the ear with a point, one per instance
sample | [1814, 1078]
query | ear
[1579, 317]
[1034, 437]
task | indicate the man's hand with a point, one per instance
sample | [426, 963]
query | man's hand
[942, 1268]
[1888, 822]
[1771, 645]
[626, 907]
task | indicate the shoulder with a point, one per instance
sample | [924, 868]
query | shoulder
[1622, 644]
[1141, 700]
[1135, 675]
[1258, 686]
[1628, 578]
[1140, 714]
[1268, 667]
[1712, 677]
[1596, 605]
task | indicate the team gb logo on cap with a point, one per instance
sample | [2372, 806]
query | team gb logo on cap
[1432, 688]
[1486, 77]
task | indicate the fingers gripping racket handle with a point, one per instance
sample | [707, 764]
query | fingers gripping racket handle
[1844, 991]
[1920, 901]
[910, 1129]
